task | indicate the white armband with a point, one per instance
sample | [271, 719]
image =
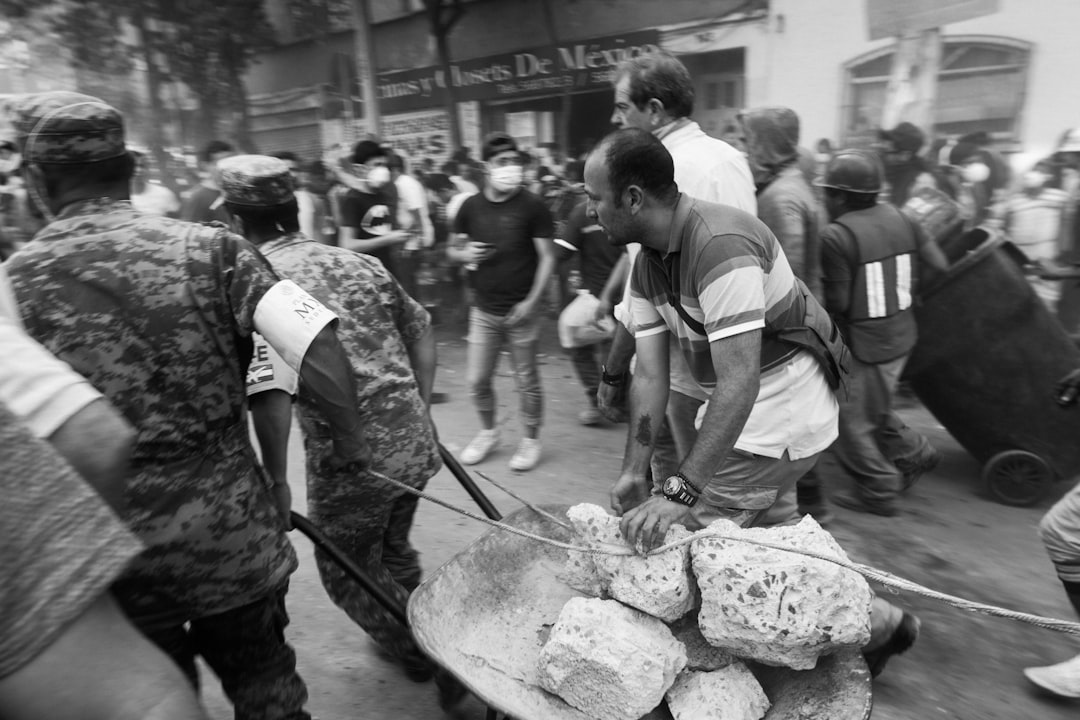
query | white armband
[289, 318]
[268, 370]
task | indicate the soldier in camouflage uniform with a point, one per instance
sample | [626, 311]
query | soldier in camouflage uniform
[391, 346]
[158, 315]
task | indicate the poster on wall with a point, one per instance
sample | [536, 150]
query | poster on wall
[469, 124]
[417, 136]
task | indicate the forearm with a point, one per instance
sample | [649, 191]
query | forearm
[455, 249]
[96, 441]
[621, 352]
[616, 280]
[367, 245]
[648, 402]
[423, 356]
[271, 415]
[540, 278]
[729, 407]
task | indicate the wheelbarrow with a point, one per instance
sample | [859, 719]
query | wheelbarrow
[484, 616]
[986, 363]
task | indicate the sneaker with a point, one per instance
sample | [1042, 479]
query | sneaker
[527, 455]
[915, 469]
[480, 447]
[590, 416]
[850, 502]
[903, 637]
[1062, 679]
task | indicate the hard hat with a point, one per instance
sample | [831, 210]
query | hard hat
[1071, 143]
[854, 171]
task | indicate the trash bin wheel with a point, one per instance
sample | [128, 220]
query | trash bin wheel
[1017, 477]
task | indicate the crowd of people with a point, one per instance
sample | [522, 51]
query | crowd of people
[742, 306]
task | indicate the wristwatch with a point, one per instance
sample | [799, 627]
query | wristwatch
[611, 379]
[678, 489]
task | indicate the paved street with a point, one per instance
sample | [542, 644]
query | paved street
[948, 537]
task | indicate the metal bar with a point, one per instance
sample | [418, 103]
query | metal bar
[467, 482]
[377, 591]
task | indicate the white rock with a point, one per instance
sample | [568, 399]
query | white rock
[700, 653]
[660, 585]
[777, 607]
[732, 693]
[609, 661]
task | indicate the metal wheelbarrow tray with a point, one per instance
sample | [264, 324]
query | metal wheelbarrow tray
[486, 613]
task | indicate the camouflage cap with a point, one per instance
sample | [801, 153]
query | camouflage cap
[66, 128]
[256, 180]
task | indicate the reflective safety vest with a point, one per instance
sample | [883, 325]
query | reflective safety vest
[880, 322]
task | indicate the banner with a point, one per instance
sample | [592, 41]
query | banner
[548, 70]
[419, 135]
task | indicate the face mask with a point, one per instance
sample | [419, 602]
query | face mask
[507, 177]
[1033, 179]
[378, 176]
[977, 172]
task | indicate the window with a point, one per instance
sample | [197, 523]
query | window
[980, 86]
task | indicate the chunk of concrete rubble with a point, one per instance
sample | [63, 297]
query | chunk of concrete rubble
[700, 653]
[609, 661]
[777, 607]
[731, 693]
[660, 585]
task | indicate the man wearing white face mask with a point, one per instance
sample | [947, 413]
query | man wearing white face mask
[975, 193]
[368, 210]
[504, 235]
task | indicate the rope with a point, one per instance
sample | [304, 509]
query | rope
[893, 582]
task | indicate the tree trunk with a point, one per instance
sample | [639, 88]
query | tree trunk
[238, 102]
[440, 30]
[365, 66]
[157, 109]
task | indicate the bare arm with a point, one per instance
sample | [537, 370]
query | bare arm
[367, 245]
[100, 668]
[271, 414]
[97, 442]
[545, 248]
[616, 280]
[736, 361]
[648, 400]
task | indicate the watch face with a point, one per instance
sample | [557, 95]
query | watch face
[672, 485]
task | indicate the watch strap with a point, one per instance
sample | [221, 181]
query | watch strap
[611, 378]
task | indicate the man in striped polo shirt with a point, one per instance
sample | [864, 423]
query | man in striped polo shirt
[716, 280]
[771, 409]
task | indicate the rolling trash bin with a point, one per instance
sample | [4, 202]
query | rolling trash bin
[988, 357]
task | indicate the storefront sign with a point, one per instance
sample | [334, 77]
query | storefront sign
[889, 18]
[548, 70]
[419, 135]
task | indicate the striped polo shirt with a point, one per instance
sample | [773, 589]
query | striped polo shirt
[731, 276]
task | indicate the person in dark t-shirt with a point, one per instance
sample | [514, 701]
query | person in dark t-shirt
[369, 207]
[503, 235]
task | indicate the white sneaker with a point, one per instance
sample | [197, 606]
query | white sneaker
[1062, 679]
[526, 456]
[480, 447]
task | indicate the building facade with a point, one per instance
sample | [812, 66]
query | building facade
[540, 70]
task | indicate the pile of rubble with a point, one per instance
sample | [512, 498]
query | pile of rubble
[637, 640]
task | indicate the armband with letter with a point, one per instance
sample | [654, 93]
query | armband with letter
[290, 318]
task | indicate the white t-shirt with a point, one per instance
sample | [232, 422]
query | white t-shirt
[156, 200]
[41, 389]
[413, 197]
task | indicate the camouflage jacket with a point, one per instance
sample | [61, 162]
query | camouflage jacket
[158, 314]
[377, 323]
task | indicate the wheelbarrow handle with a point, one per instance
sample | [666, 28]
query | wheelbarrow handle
[350, 568]
[462, 476]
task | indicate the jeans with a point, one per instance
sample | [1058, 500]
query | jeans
[487, 335]
[587, 361]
